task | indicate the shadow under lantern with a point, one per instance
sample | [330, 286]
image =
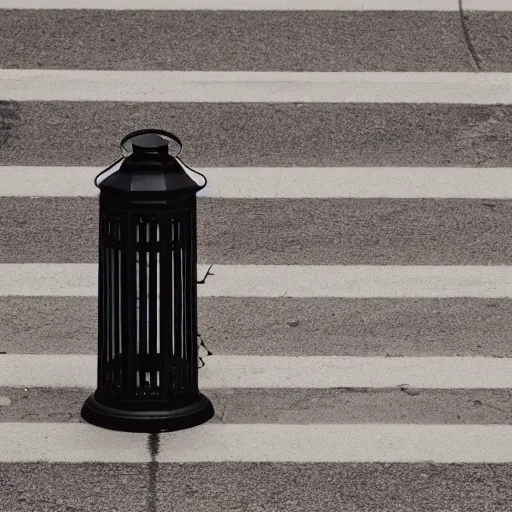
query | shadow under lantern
[148, 358]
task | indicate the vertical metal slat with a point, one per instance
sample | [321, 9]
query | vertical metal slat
[184, 282]
[153, 357]
[108, 333]
[165, 305]
[101, 305]
[129, 307]
[158, 331]
[178, 305]
[192, 312]
[112, 314]
[142, 304]
[185, 301]
[117, 298]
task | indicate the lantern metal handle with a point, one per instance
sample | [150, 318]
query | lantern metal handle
[182, 163]
[105, 170]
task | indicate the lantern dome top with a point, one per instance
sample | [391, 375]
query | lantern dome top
[150, 168]
[151, 141]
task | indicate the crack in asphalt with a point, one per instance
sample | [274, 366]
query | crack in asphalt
[484, 404]
[487, 128]
[153, 446]
[477, 61]
[481, 159]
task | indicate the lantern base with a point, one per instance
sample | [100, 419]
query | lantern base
[191, 415]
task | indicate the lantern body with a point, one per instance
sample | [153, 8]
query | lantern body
[147, 300]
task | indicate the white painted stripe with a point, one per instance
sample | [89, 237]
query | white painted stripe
[60, 371]
[55, 279]
[487, 5]
[48, 181]
[245, 5]
[338, 443]
[287, 182]
[358, 281]
[77, 443]
[241, 86]
[262, 5]
[357, 372]
[69, 442]
[80, 280]
[52, 371]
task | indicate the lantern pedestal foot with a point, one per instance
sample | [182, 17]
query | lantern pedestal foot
[191, 415]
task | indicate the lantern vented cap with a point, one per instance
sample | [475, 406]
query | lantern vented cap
[152, 141]
[149, 167]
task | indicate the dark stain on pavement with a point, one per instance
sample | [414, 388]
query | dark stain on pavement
[9, 114]
[153, 446]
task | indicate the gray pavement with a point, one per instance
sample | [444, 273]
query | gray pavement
[282, 231]
[491, 36]
[284, 326]
[333, 487]
[294, 406]
[262, 134]
[234, 41]
[251, 487]
[87, 487]
[255, 41]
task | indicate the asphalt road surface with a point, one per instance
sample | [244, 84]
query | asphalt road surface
[265, 231]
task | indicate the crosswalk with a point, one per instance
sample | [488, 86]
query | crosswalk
[357, 226]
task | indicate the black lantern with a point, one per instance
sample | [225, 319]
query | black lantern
[147, 297]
